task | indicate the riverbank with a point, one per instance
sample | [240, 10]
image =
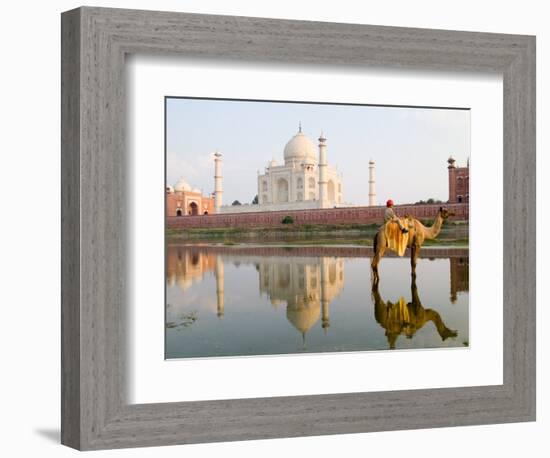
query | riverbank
[453, 234]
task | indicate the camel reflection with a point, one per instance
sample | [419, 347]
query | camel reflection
[406, 318]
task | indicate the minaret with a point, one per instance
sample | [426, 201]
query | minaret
[323, 190]
[372, 184]
[218, 189]
[452, 180]
[220, 282]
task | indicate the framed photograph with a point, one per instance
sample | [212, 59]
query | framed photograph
[299, 239]
[276, 228]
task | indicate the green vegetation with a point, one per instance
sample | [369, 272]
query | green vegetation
[288, 220]
[430, 201]
[269, 232]
[453, 234]
[447, 242]
[184, 321]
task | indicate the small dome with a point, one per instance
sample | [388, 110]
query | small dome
[300, 148]
[182, 185]
[197, 190]
[169, 189]
[272, 163]
[184, 283]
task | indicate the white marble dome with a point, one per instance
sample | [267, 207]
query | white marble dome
[300, 148]
[182, 185]
[303, 316]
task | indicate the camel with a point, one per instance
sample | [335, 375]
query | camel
[414, 239]
[406, 318]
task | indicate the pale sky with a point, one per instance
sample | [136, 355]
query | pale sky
[409, 145]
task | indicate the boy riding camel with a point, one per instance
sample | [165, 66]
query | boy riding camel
[389, 215]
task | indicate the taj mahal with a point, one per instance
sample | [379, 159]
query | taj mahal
[305, 180]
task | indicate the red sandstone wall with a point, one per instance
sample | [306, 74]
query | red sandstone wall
[350, 215]
[459, 183]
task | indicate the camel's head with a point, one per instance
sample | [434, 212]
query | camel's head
[445, 213]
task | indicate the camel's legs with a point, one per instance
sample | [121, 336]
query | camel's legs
[415, 252]
[379, 249]
[443, 331]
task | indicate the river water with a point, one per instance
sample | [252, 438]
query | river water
[266, 300]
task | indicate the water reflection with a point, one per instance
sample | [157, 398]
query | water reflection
[236, 301]
[184, 266]
[460, 276]
[406, 318]
[306, 285]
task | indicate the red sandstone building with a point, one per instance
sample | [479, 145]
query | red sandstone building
[459, 183]
[182, 200]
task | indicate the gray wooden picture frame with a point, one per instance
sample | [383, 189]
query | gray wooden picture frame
[95, 41]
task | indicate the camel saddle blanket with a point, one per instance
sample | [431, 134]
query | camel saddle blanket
[399, 314]
[397, 241]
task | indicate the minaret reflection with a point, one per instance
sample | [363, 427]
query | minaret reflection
[406, 318]
[220, 281]
[306, 285]
[325, 295]
[188, 265]
[460, 276]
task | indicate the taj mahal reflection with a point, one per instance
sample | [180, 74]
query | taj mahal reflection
[303, 289]
[306, 286]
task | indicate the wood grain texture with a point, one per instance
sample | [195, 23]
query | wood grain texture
[94, 273]
[70, 229]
